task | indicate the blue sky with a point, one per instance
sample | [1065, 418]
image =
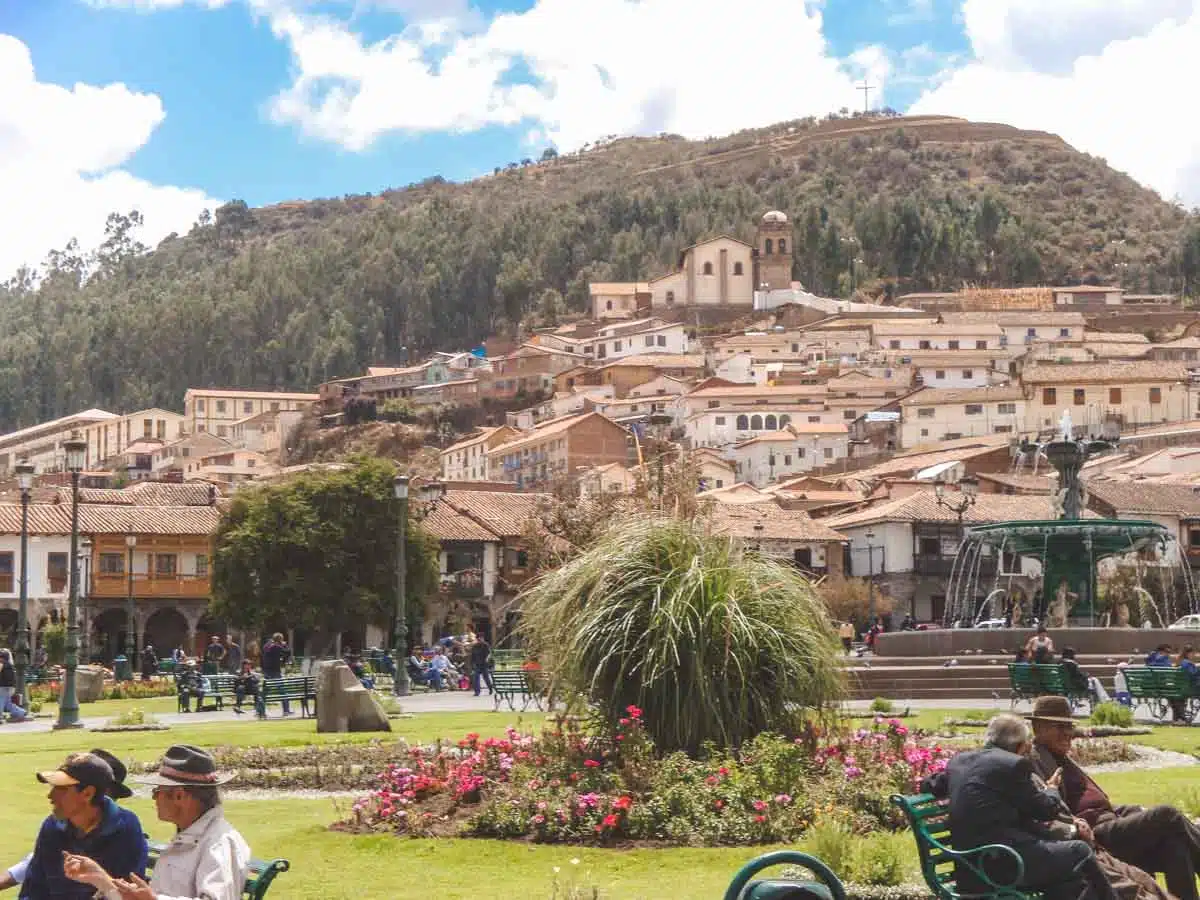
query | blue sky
[174, 105]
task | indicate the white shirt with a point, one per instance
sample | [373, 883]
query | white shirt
[440, 663]
[18, 871]
[208, 860]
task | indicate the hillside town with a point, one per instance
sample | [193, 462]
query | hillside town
[827, 432]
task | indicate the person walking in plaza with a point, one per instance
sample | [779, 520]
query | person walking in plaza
[481, 665]
[85, 822]
[214, 655]
[846, 633]
[275, 655]
[233, 655]
[149, 662]
[208, 858]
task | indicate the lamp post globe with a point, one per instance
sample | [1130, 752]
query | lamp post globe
[75, 451]
[25, 472]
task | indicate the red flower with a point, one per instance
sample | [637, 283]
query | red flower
[760, 818]
[634, 712]
[592, 763]
[623, 803]
[612, 820]
[626, 723]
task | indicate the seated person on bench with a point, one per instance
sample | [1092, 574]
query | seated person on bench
[420, 672]
[190, 683]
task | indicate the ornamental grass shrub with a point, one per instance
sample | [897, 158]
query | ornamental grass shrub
[715, 643]
[571, 785]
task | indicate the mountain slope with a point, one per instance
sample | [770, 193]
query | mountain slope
[293, 294]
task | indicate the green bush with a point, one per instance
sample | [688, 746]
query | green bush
[1112, 714]
[882, 705]
[54, 639]
[878, 860]
[833, 843]
[135, 716]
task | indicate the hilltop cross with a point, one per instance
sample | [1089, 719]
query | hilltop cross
[866, 88]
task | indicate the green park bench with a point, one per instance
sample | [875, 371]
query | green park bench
[1029, 681]
[166, 667]
[300, 689]
[827, 885]
[511, 685]
[508, 659]
[221, 689]
[1157, 686]
[258, 879]
[941, 863]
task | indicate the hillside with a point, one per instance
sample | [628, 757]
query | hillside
[293, 294]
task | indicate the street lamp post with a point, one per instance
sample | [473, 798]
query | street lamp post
[870, 536]
[968, 488]
[85, 596]
[400, 635]
[25, 472]
[68, 707]
[130, 612]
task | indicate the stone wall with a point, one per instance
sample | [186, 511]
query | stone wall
[943, 642]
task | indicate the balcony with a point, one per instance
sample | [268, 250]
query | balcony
[463, 583]
[182, 586]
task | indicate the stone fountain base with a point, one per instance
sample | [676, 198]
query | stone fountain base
[944, 642]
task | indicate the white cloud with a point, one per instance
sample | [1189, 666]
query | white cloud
[60, 150]
[1122, 102]
[909, 12]
[597, 68]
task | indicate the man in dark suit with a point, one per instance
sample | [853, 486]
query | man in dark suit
[993, 800]
[1157, 839]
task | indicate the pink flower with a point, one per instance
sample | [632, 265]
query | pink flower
[612, 820]
[760, 805]
[634, 712]
[760, 819]
[592, 763]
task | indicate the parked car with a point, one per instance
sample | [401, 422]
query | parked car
[1187, 623]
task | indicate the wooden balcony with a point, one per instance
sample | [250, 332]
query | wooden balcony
[182, 586]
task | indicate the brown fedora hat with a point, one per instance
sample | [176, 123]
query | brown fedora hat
[1052, 709]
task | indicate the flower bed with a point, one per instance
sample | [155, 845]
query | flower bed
[567, 785]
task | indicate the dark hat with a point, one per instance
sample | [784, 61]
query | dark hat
[1052, 709]
[119, 790]
[186, 766]
[83, 769]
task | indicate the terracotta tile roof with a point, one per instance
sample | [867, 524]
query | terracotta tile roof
[923, 507]
[790, 434]
[55, 518]
[544, 430]
[1141, 497]
[936, 396]
[781, 393]
[1076, 373]
[1114, 337]
[446, 523]
[923, 330]
[254, 395]
[1015, 318]
[142, 493]
[1118, 351]
[1032, 484]
[778, 524]
[739, 493]
[662, 360]
[963, 449]
[504, 514]
[617, 287]
[482, 435]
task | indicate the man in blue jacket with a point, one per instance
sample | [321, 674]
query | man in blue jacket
[84, 820]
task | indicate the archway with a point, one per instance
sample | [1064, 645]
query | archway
[166, 629]
[108, 636]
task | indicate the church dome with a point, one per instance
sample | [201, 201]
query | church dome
[775, 216]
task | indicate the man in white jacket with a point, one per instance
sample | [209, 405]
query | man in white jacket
[208, 858]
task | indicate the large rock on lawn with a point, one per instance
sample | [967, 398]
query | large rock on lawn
[343, 704]
[89, 683]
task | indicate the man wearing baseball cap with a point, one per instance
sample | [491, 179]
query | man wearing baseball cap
[207, 860]
[84, 820]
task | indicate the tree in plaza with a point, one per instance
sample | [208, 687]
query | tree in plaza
[849, 599]
[318, 551]
[711, 641]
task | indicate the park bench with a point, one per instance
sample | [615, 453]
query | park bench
[258, 878]
[511, 685]
[1157, 686]
[1029, 681]
[507, 659]
[293, 688]
[220, 689]
[941, 863]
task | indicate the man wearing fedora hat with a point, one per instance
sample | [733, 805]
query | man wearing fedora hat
[15, 874]
[207, 859]
[1154, 839]
[85, 820]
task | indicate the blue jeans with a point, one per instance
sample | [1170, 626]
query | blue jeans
[486, 674]
[287, 706]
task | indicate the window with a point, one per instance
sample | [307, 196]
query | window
[1006, 409]
[772, 423]
[981, 345]
[670, 298]
[802, 556]
[784, 420]
[1064, 332]
[737, 268]
[112, 563]
[968, 374]
[719, 420]
[222, 431]
[940, 374]
[814, 419]
[147, 428]
[616, 346]
[6, 572]
[787, 459]
[1194, 537]
[783, 245]
[247, 407]
[56, 572]
[743, 423]
[768, 247]
[756, 422]
[924, 345]
[954, 345]
[1114, 396]
[220, 406]
[649, 340]
[1049, 396]
[199, 406]
[893, 345]
[926, 412]
[162, 429]
[795, 348]
[1079, 396]
[708, 269]
[1002, 429]
[974, 409]
[1156, 395]
[800, 453]
[165, 564]
[929, 547]
[924, 432]
[662, 340]
[1030, 332]
[828, 453]
[274, 406]
[849, 414]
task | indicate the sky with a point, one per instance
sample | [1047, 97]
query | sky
[174, 106]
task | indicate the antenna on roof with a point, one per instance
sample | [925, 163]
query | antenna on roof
[866, 88]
